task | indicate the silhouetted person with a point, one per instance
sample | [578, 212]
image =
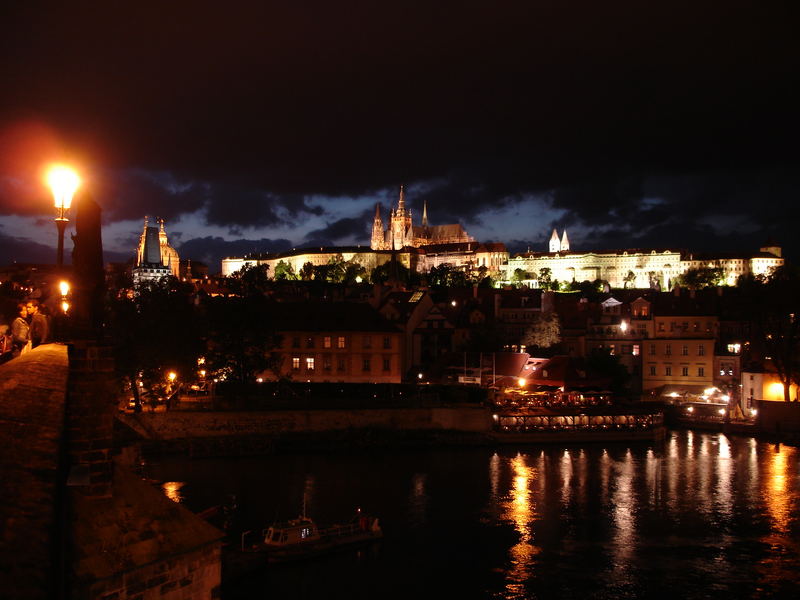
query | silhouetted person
[20, 330]
[39, 325]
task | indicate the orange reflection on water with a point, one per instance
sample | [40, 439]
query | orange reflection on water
[520, 510]
[172, 490]
[777, 498]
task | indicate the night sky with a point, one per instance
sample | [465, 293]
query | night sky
[267, 126]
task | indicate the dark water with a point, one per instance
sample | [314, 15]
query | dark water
[700, 516]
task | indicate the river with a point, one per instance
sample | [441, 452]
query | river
[700, 515]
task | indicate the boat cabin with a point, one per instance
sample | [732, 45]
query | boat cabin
[297, 531]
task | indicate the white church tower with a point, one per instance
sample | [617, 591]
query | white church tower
[564, 242]
[555, 243]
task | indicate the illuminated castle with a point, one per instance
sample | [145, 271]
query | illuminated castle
[402, 233]
[155, 258]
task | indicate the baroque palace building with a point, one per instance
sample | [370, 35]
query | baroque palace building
[634, 268]
[417, 247]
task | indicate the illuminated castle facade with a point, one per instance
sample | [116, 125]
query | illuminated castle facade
[155, 258]
[402, 233]
[635, 268]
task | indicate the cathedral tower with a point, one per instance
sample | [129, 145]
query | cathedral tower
[378, 236]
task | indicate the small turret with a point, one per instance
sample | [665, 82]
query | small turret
[425, 213]
[564, 242]
[377, 240]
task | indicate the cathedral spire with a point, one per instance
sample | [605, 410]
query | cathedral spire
[425, 213]
[401, 204]
[565, 242]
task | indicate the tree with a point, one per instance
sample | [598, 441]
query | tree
[544, 332]
[155, 331]
[285, 271]
[241, 340]
[519, 276]
[774, 304]
[386, 271]
[354, 273]
[630, 278]
[251, 280]
[701, 277]
[307, 272]
[545, 279]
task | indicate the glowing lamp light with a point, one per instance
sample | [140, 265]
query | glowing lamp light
[63, 182]
[65, 307]
[726, 398]
[721, 411]
[63, 287]
[259, 380]
[776, 390]
[710, 391]
[753, 412]
[623, 326]
[172, 375]
[202, 372]
[453, 303]
[522, 381]
[419, 375]
[690, 409]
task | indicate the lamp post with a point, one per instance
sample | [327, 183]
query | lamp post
[63, 182]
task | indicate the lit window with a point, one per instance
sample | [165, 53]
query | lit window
[636, 349]
[340, 342]
[734, 348]
[295, 363]
[309, 364]
[326, 341]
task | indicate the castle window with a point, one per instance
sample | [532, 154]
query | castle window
[341, 364]
[387, 364]
[685, 350]
[685, 371]
[668, 371]
[326, 362]
[326, 341]
[701, 372]
[701, 350]
[340, 342]
[310, 365]
[295, 363]
[366, 365]
[668, 349]
[652, 371]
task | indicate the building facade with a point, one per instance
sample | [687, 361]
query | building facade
[634, 268]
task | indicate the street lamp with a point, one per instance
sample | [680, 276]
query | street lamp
[63, 182]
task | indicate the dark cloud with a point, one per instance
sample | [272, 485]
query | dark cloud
[350, 227]
[25, 250]
[211, 250]
[246, 110]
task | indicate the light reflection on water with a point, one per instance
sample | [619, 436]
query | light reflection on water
[701, 515]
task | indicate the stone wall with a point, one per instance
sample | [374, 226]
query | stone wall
[32, 400]
[185, 424]
[778, 418]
